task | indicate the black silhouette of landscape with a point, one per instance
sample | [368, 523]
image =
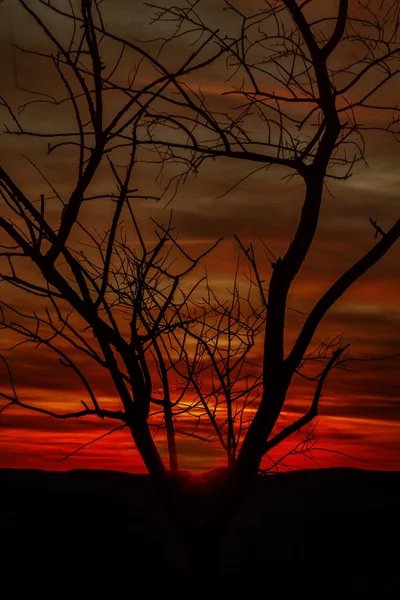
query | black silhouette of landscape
[329, 533]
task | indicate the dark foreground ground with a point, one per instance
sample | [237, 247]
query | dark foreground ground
[332, 533]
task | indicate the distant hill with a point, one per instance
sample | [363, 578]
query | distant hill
[329, 533]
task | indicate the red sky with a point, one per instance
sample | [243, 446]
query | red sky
[360, 409]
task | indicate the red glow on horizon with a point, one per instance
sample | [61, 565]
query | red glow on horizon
[341, 442]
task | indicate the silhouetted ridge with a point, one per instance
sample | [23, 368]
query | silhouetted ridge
[328, 533]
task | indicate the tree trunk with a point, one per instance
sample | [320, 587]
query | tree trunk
[254, 444]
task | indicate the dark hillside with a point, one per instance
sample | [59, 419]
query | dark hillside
[330, 533]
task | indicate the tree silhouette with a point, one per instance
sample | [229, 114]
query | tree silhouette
[299, 85]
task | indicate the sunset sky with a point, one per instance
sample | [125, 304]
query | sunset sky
[359, 409]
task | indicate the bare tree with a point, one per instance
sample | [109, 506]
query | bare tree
[174, 351]
[298, 101]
